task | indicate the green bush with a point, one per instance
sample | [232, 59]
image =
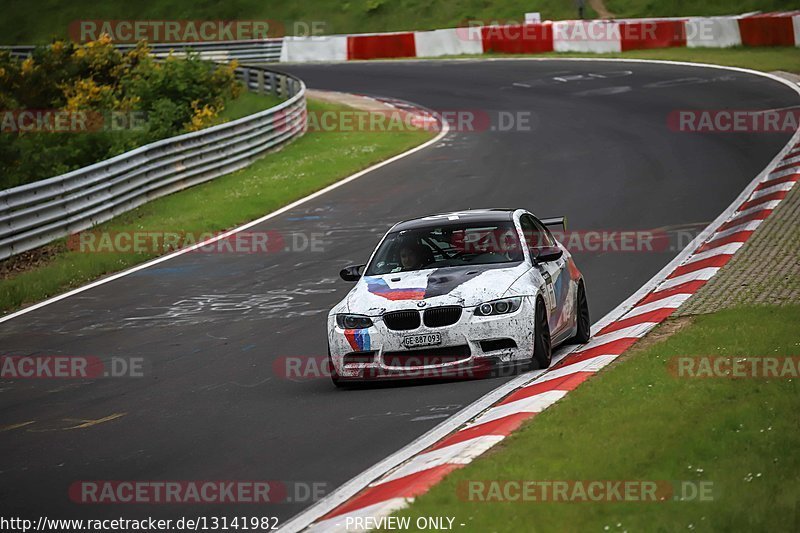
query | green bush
[169, 97]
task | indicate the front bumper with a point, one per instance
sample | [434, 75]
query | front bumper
[472, 347]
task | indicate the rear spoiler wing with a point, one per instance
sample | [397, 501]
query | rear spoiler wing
[555, 221]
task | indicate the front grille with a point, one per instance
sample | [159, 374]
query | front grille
[359, 358]
[437, 317]
[426, 356]
[498, 344]
[402, 320]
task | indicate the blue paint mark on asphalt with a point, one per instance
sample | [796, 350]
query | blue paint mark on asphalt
[165, 270]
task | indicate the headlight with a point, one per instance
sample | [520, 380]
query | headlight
[498, 307]
[353, 321]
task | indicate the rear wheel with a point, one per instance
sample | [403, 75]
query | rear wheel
[583, 331]
[542, 347]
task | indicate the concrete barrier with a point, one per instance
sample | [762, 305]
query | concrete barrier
[597, 37]
[713, 32]
[381, 45]
[518, 38]
[767, 30]
[653, 34]
[451, 41]
[301, 49]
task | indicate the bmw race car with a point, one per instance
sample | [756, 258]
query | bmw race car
[455, 293]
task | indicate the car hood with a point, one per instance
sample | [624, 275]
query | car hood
[464, 286]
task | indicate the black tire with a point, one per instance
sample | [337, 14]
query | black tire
[584, 330]
[542, 346]
[335, 378]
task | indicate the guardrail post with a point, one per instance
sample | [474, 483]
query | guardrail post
[272, 86]
[246, 73]
[260, 80]
[283, 86]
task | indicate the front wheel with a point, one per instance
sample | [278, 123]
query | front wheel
[335, 378]
[583, 332]
[542, 347]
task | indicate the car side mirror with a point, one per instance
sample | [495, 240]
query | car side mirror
[351, 273]
[545, 254]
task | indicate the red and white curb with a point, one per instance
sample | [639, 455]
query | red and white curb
[396, 487]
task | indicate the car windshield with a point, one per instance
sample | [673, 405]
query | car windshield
[447, 246]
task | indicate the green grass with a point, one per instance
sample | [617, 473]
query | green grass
[247, 104]
[26, 22]
[636, 421]
[309, 164]
[659, 8]
[765, 59]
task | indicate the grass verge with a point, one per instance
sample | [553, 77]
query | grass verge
[247, 104]
[307, 165]
[767, 59]
[639, 422]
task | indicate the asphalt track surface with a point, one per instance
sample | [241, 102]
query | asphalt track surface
[210, 326]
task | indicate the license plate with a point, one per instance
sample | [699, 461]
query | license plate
[425, 339]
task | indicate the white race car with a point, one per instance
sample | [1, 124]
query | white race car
[457, 294]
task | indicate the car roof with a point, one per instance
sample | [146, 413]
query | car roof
[456, 218]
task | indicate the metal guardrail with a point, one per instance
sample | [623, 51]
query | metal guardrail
[38, 213]
[251, 51]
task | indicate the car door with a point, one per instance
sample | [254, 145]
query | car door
[555, 273]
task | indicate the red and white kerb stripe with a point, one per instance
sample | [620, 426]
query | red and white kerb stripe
[414, 477]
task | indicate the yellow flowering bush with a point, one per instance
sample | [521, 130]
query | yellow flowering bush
[182, 93]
